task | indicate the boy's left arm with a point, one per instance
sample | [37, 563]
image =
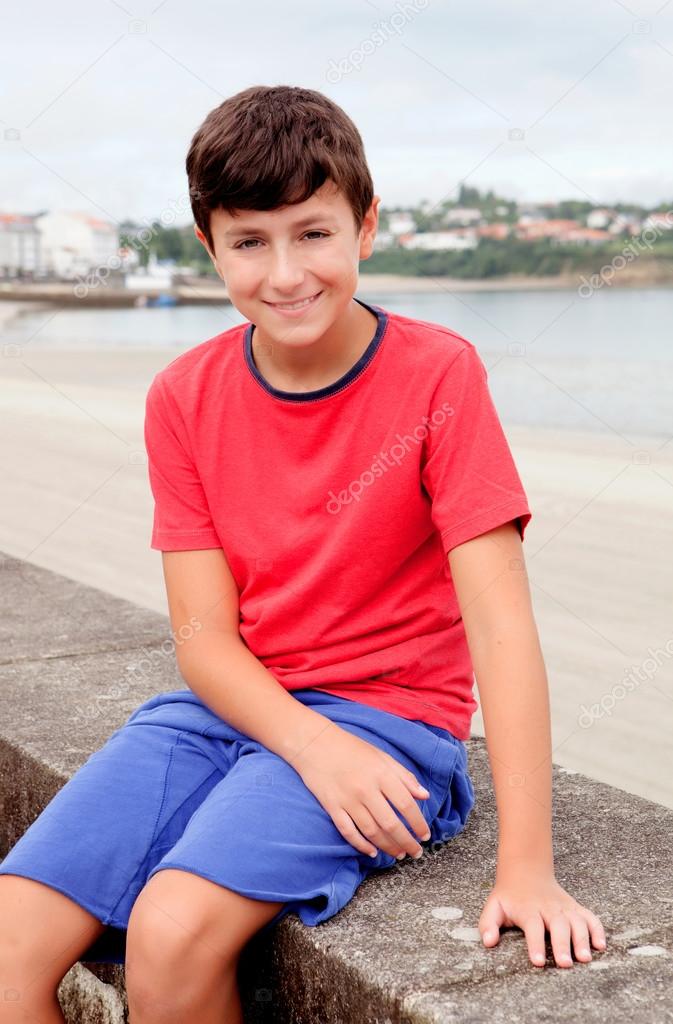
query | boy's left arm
[491, 584]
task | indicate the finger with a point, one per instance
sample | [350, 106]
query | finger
[370, 828]
[559, 930]
[393, 839]
[344, 823]
[490, 922]
[534, 931]
[390, 824]
[369, 824]
[596, 929]
[412, 783]
[401, 798]
[580, 936]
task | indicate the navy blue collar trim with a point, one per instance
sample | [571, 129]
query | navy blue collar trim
[330, 389]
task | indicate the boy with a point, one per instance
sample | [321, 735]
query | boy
[340, 521]
[253, 168]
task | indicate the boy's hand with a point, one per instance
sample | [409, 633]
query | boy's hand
[354, 780]
[531, 899]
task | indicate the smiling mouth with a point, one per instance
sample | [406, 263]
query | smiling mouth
[299, 304]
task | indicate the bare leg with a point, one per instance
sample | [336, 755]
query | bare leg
[218, 1002]
[46, 1011]
[42, 934]
[184, 941]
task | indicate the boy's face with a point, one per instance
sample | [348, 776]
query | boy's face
[279, 257]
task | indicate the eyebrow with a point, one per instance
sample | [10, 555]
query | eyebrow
[251, 229]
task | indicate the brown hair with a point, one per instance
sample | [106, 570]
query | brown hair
[271, 146]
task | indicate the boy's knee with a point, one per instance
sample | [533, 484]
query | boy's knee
[166, 971]
[170, 935]
[158, 937]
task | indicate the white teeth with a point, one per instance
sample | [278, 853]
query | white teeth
[295, 305]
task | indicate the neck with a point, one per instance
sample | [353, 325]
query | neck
[323, 361]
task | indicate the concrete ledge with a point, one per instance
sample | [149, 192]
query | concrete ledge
[75, 662]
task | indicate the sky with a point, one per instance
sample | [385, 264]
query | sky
[538, 102]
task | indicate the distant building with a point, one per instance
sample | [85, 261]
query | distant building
[585, 236]
[497, 230]
[441, 240]
[401, 223]
[661, 221]
[73, 243]
[128, 258]
[625, 222]
[156, 275]
[383, 240]
[599, 218]
[528, 229]
[462, 215]
[529, 214]
[560, 231]
[19, 245]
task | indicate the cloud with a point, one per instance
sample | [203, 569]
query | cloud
[106, 99]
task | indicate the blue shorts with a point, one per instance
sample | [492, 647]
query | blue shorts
[177, 787]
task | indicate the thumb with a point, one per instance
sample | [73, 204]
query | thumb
[489, 924]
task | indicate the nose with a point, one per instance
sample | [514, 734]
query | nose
[285, 272]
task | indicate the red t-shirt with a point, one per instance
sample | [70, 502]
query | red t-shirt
[336, 508]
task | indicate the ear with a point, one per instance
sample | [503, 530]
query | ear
[368, 229]
[202, 239]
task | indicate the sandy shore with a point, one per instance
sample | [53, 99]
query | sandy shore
[76, 500]
[8, 310]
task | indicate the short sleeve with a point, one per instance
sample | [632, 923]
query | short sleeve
[182, 520]
[468, 469]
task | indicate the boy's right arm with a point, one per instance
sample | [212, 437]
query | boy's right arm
[217, 665]
[348, 776]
